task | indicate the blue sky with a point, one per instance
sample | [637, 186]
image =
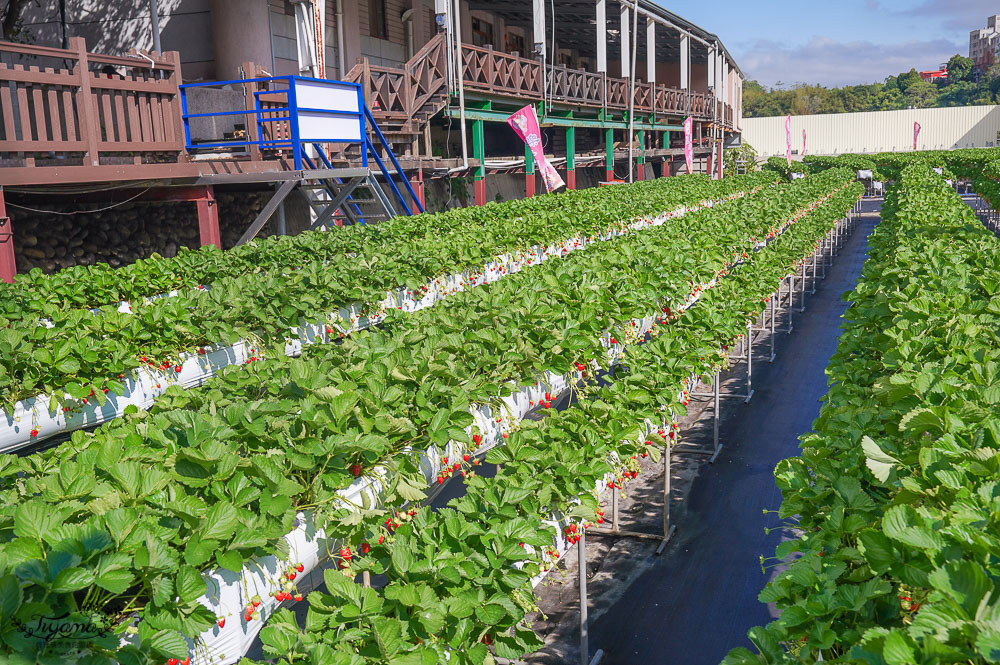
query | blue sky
[840, 42]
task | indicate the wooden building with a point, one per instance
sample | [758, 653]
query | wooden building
[95, 98]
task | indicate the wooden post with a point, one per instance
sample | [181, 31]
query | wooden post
[571, 157]
[250, 101]
[529, 171]
[479, 152]
[85, 102]
[208, 218]
[7, 266]
[708, 160]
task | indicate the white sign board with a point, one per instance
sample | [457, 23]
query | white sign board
[315, 100]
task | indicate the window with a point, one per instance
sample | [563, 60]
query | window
[376, 19]
[482, 32]
[515, 44]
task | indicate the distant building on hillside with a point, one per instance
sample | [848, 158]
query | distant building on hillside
[935, 74]
[984, 44]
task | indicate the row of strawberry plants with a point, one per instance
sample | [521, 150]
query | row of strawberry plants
[894, 494]
[202, 466]
[450, 592]
[36, 294]
[85, 354]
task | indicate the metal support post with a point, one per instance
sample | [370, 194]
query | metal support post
[791, 293]
[479, 152]
[529, 171]
[716, 448]
[571, 157]
[774, 313]
[749, 366]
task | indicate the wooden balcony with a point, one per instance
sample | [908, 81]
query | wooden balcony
[93, 118]
[494, 72]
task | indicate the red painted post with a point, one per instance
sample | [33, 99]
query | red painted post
[708, 163]
[480, 191]
[7, 266]
[571, 179]
[208, 218]
[719, 160]
[418, 187]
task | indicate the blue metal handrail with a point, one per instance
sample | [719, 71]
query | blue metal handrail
[292, 113]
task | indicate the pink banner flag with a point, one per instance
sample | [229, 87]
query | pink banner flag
[688, 147]
[525, 124]
[803, 141]
[788, 140]
[916, 133]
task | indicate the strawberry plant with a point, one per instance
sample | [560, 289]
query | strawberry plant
[893, 494]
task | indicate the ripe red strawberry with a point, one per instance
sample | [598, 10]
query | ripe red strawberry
[222, 622]
[34, 433]
[504, 435]
[465, 457]
[298, 597]
[477, 439]
[290, 575]
[444, 461]
[299, 567]
[178, 369]
[172, 661]
[365, 548]
[356, 470]
[345, 553]
[548, 397]
[614, 341]
[381, 539]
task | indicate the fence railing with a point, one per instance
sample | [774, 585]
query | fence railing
[59, 103]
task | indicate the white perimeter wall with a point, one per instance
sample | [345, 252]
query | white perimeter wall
[877, 131]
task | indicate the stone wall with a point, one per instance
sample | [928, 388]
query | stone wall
[123, 234]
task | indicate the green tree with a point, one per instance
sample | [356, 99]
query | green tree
[960, 68]
[921, 94]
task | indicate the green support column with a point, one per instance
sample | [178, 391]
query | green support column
[571, 158]
[479, 152]
[668, 161]
[529, 171]
[609, 146]
[640, 169]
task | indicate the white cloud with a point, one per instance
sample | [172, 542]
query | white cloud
[963, 15]
[831, 63]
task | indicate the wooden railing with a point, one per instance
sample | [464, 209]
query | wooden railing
[501, 73]
[396, 95]
[61, 101]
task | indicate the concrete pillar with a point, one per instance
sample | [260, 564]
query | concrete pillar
[538, 27]
[208, 218]
[602, 36]
[8, 268]
[240, 33]
[650, 50]
[685, 61]
[626, 54]
[352, 34]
